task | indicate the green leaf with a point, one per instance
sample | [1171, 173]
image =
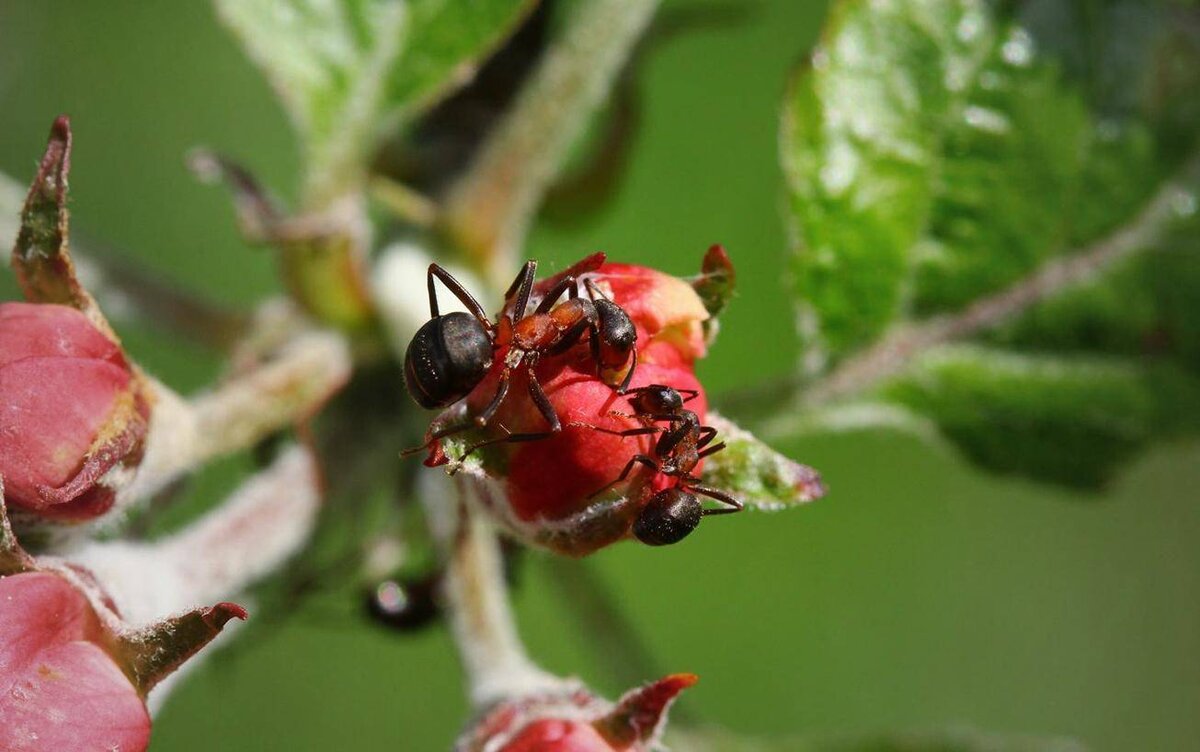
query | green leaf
[347, 71]
[448, 40]
[1145, 308]
[1020, 174]
[1069, 420]
[929, 157]
[952, 740]
[757, 475]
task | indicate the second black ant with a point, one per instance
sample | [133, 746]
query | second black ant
[674, 512]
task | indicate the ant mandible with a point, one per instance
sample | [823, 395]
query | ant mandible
[451, 354]
[674, 512]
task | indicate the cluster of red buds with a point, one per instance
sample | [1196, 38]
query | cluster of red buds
[581, 417]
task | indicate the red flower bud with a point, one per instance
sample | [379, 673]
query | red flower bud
[561, 489]
[578, 722]
[553, 735]
[71, 409]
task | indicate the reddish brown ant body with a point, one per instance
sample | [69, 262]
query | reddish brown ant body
[674, 512]
[451, 354]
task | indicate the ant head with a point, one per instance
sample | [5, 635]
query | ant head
[668, 518]
[657, 399]
[447, 358]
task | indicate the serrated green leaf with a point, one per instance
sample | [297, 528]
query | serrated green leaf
[952, 740]
[448, 39]
[929, 157]
[1145, 308]
[1069, 420]
[1023, 174]
[348, 70]
[757, 475]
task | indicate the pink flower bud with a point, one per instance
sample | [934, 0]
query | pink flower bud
[75, 679]
[71, 409]
[62, 690]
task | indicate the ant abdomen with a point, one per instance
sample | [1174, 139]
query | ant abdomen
[447, 358]
[669, 516]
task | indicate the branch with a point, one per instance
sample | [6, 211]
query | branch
[489, 212]
[249, 536]
[217, 557]
[184, 435]
[906, 343]
[494, 659]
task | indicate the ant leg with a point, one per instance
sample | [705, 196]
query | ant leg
[690, 394]
[521, 288]
[624, 387]
[566, 284]
[486, 414]
[508, 438]
[627, 432]
[571, 336]
[718, 495]
[437, 435]
[538, 395]
[456, 288]
[635, 460]
[593, 291]
[707, 434]
[712, 450]
[671, 436]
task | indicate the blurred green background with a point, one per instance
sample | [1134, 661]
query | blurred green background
[918, 594]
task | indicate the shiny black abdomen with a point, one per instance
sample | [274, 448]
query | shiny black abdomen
[446, 359]
[669, 516]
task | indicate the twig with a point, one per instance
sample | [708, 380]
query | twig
[489, 211]
[906, 343]
[218, 556]
[494, 659]
[260, 526]
[184, 435]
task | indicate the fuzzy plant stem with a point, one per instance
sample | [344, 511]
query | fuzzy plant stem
[489, 212]
[186, 434]
[217, 557]
[251, 534]
[476, 595]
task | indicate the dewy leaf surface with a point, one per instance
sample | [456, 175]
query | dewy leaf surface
[946, 157]
[929, 156]
[347, 70]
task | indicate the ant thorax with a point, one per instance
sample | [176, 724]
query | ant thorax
[513, 357]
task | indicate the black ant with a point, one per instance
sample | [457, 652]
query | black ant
[672, 513]
[451, 354]
[404, 604]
